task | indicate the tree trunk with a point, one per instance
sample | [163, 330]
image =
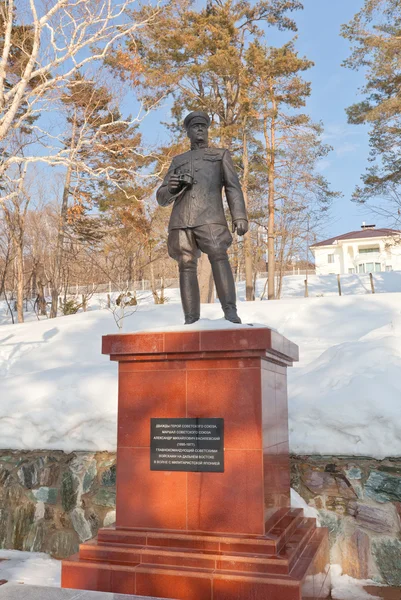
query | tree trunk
[41, 300]
[34, 284]
[15, 219]
[235, 262]
[130, 271]
[206, 282]
[162, 298]
[270, 156]
[20, 280]
[270, 241]
[6, 263]
[153, 286]
[58, 262]
[54, 302]
[249, 287]
[281, 265]
[4, 277]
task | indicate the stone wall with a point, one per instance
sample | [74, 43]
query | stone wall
[359, 500]
[51, 501]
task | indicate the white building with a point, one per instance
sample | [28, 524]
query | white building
[364, 251]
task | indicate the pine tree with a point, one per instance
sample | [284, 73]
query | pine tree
[290, 144]
[198, 58]
[375, 34]
[102, 160]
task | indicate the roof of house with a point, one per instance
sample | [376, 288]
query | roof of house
[356, 235]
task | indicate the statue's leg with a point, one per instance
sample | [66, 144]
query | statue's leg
[214, 240]
[225, 287]
[190, 296]
[182, 247]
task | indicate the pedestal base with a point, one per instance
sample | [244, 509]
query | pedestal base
[290, 562]
[203, 535]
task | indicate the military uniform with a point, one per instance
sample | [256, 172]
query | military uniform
[198, 222]
[202, 204]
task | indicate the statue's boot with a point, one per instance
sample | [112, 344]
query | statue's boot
[190, 296]
[225, 287]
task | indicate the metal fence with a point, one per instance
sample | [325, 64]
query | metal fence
[133, 286]
[295, 271]
[102, 288]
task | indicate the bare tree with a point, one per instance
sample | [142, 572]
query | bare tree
[122, 305]
[5, 260]
[38, 59]
[15, 211]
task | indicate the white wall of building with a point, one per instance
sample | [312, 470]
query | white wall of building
[347, 256]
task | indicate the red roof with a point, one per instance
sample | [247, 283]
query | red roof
[358, 235]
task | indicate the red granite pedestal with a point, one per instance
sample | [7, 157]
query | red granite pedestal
[205, 535]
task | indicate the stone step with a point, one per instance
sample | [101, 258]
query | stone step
[307, 580]
[282, 531]
[313, 568]
[160, 556]
[183, 583]
[299, 540]
[253, 562]
[279, 530]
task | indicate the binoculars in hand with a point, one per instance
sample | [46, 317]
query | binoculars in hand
[186, 180]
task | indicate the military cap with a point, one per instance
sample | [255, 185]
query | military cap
[197, 116]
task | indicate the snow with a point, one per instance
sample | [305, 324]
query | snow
[347, 588]
[58, 392]
[206, 325]
[319, 286]
[351, 284]
[351, 392]
[34, 568]
[309, 511]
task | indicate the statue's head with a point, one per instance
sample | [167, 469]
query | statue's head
[197, 125]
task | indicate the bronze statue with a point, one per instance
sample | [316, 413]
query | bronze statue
[194, 183]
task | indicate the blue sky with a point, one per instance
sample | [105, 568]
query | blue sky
[333, 89]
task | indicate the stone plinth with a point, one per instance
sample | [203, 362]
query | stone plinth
[205, 535]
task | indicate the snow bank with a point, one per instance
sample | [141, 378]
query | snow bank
[351, 394]
[58, 392]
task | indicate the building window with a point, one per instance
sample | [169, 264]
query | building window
[330, 258]
[369, 267]
[351, 270]
[369, 250]
[389, 268]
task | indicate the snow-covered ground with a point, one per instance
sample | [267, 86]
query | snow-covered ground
[351, 284]
[347, 588]
[58, 392]
[32, 568]
[319, 286]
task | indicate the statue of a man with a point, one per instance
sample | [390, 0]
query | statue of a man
[194, 183]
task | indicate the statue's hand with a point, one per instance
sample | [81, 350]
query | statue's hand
[241, 226]
[174, 184]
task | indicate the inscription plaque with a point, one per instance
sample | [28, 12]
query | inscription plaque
[187, 445]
